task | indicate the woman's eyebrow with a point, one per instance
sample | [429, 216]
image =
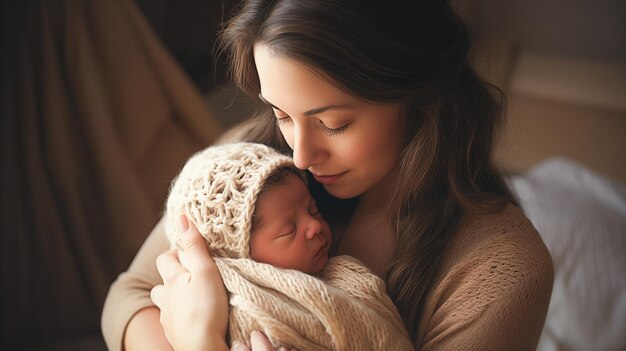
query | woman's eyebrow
[309, 112]
[267, 102]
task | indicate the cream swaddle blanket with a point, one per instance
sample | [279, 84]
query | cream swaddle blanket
[344, 307]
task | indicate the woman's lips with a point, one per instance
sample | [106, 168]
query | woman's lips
[328, 179]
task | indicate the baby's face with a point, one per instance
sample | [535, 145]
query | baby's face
[291, 232]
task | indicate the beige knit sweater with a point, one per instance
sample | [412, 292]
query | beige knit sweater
[492, 292]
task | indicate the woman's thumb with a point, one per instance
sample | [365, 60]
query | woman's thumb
[193, 245]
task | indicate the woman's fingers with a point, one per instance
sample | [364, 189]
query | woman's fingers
[239, 346]
[156, 295]
[168, 265]
[260, 342]
[194, 256]
[192, 298]
[193, 245]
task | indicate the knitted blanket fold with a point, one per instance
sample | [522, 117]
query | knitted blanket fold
[345, 307]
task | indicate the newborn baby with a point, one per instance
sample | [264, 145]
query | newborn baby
[271, 246]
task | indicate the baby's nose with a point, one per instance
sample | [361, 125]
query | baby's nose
[314, 229]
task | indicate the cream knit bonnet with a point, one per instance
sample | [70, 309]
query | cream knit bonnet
[217, 190]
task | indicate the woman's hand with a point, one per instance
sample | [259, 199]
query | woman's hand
[258, 342]
[192, 299]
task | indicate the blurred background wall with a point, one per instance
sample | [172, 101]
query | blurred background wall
[563, 67]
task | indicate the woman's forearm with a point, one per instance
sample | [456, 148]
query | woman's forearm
[130, 292]
[144, 332]
[217, 344]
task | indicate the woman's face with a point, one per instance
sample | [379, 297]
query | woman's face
[351, 146]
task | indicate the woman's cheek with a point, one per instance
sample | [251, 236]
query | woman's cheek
[359, 146]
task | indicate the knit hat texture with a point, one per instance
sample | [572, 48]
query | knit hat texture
[217, 190]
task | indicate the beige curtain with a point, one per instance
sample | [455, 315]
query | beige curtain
[96, 119]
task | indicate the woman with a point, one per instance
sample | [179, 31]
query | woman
[377, 100]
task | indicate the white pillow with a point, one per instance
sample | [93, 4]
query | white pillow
[581, 217]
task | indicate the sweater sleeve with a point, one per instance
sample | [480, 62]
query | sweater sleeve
[495, 293]
[130, 292]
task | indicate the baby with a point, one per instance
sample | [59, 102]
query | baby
[288, 230]
[271, 246]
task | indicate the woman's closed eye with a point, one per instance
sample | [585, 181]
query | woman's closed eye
[333, 131]
[283, 120]
[326, 130]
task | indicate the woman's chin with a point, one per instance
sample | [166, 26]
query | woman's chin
[340, 192]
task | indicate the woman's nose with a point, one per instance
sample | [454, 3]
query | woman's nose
[307, 150]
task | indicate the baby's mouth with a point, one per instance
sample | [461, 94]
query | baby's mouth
[322, 249]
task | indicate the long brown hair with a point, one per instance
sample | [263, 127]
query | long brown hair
[409, 52]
